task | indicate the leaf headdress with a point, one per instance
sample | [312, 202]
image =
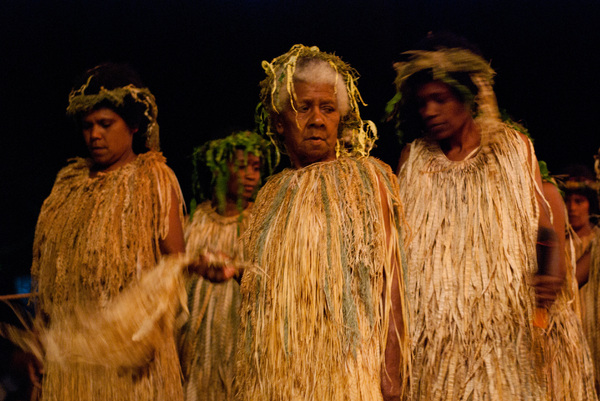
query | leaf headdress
[216, 156]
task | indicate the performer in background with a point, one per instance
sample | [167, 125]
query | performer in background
[570, 373]
[208, 339]
[581, 197]
[323, 312]
[471, 189]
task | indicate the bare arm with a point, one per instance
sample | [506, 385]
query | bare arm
[557, 206]
[173, 242]
[391, 380]
[550, 276]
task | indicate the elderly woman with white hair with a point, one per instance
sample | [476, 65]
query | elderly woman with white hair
[323, 314]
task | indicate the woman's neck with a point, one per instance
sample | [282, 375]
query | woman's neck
[460, 146]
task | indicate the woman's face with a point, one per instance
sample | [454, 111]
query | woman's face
[310, 129]
[442, 113]
[244, 176]
[108, 139]
[578, 208]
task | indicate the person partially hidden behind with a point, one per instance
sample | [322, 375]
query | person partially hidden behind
[234, 165]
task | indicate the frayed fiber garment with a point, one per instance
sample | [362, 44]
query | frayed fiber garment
[96, 237]
[314, 323]
[471, 248]
[590, 299]
[570, 371]
[208, 339]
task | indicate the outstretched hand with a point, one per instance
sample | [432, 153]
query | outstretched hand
[216, 267]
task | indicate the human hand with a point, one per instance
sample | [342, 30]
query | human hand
[546, 288]
[35, 371]
[216, 267]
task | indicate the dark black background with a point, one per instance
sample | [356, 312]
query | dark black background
[202, 59]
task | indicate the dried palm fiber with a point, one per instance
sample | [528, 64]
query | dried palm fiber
[95, 237]
[470, 252]
[572, 244]
[313, 323]
[207, 342]
[590, 301]
[583, 245]
[570, 371]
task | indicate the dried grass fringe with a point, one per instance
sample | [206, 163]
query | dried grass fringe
[207, 342]
[313, 321]
[591, 304]
[569, 368]
[110, 332]
[470, 252]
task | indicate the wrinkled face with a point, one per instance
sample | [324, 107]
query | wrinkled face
[578, 208]
[108, 139]
[310, 132]
[245, 178]
[442, 113]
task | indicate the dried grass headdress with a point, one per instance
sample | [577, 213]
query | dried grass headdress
[356, 137]
[443, 63]
[80, 102]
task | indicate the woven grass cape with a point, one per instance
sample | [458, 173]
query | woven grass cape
[94, 238]
[470, 252]
[355, 138]
[569, 367]
[208, 339]
[313, 322]
[590, 301]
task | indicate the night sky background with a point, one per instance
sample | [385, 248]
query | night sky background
[202, 60]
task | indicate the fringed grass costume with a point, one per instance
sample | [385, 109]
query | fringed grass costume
[590, 303]
[470, 251]
[589, 293]
[315, 311]
[94, 238]
[209, 337]
[570, 371]
[313, 321]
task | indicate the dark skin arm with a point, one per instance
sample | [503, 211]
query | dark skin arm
[548, 294]
[550, 277]
[391, 380]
